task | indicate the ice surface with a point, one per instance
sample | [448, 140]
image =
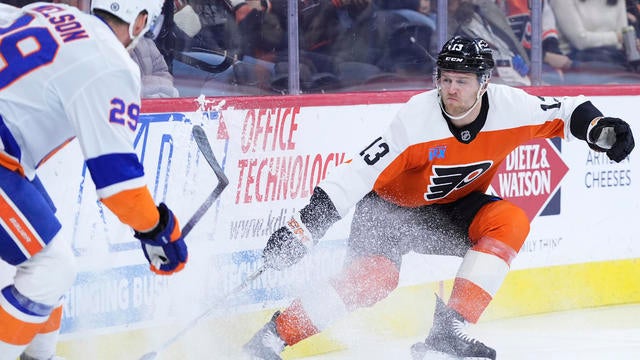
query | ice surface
[589, 334]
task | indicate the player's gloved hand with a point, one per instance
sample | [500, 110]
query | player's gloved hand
[611, 135]
[164, 246]
[287, 245]
[283, 249]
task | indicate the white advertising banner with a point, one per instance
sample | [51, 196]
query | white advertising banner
[583, 207]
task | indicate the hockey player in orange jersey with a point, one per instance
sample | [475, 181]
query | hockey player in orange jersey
[65, 74]
[420, 186]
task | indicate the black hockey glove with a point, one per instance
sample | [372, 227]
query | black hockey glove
[613, 136]
[283, 249]
[287, 245]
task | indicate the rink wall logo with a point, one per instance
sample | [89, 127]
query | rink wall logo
[530, 177]
[271, 166]
[602, 173]
[113, 297]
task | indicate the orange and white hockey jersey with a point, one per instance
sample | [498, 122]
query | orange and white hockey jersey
[421, 160]
[64, 75]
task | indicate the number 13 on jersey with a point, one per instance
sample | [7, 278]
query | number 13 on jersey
[372, 153]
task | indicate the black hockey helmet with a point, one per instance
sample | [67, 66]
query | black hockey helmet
[466, 55]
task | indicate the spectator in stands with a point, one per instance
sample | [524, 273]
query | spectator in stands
[484, 19]
[593, 32]
[350, 42]
[330, 32]
[405, 29]
[165, 41]
[633, 14]
[232, 45]
[378, 40]
[180, 23]
[219, 30]
[429, 9]
[157, 81]
[189, 42]
[262, 41]
[519, 15]
[254, 35]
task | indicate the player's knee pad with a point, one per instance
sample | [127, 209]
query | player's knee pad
[366, 280]
[503, 221]
[49, 274]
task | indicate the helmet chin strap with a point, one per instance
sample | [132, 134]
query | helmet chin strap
[134, 39]
[478, 96]
[134, 42]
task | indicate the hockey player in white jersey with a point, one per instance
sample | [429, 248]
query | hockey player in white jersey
[65, 74]
[420, 186]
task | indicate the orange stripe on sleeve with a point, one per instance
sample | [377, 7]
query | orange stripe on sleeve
[134, 207]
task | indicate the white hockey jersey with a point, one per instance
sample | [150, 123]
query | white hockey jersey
[418, 161]
[65, 75]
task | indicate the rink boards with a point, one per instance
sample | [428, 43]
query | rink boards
[274, 150]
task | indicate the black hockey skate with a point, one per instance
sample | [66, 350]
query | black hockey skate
[447, 336]
[266, 344]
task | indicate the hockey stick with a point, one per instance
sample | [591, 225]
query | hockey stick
[205, 148]
[194, 321]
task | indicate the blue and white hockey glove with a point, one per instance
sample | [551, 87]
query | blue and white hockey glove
[164, 246]
[612, 136]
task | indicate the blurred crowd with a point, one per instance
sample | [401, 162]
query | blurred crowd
[236, 47]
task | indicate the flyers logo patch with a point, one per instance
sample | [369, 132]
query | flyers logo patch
[446, 179]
